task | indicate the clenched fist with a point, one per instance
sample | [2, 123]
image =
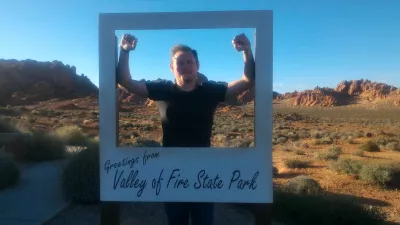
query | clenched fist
[241, 43]
[128, 42]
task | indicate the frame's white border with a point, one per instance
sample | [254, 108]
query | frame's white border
[222, 161]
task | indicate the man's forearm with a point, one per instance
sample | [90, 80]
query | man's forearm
[123, 73]
[249, 65]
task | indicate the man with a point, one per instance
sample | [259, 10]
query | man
[200, 77]
[186, 108]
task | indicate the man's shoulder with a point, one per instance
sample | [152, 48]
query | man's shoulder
[160, 82]
[214, 85]
[159, 90]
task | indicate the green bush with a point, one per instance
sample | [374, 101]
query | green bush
[71, 135]
[347, 166]
[351, 141]
[44, 147]
[296, 163]
[331, 153]
[359, 152]
[81, 176]
[303, 185]
[394, 146]
[9, 171]
[36, 147]
[275, 171]
[384, 140]
[377, 174]
[140, 142]
[369, 146]
[323, 141]
[6, 126]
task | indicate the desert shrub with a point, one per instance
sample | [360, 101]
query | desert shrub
[351, 141]
[282, 140]
[304, 134]
[395, 178]
[251, 145]
[6, 126]
[44, 147]
[141, 142]
[71, 135]
[126, 125]
[293, 136]
[36, 147]
[299, 152]
[275, 171]
[347, 166]
[317, 134]
[335, 135]
[377, 174]
[344, 138]
[331, 153]
[9, 171]
[369, 146]
[324, 141]
[303, 185]
[239, 143]
[359, 152]
[80, 177]
[296, 163]
[291, 208]
[394, 146]
[357, 134]
[335, 150]
[382, 140]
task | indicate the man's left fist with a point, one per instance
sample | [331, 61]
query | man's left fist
[241, 43]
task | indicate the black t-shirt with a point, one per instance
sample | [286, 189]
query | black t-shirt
[187, 117]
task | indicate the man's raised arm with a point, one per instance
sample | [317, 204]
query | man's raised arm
[242, 43]
[127, 44]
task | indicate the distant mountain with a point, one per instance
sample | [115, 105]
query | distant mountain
[29, 81]
[345, 93]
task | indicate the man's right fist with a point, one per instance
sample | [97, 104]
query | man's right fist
[128, 42]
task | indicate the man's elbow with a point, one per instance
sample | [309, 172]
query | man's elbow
[247, 82]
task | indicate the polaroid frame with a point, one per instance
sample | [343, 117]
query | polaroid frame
[142, 174]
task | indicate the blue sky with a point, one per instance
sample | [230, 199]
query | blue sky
[316, 42]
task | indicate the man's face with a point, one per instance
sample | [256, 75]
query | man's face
[184, 67]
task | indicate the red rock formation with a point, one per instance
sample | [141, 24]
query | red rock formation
[28, 81]
[320, 97]
[365, 88]
[344, 93]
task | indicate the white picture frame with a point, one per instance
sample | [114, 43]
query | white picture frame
[254, 164]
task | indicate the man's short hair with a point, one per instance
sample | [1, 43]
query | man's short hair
[183, 48]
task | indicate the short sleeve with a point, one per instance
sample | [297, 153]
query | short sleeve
[217, 90]
[159, 90]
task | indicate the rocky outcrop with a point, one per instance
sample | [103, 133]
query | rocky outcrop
[365, 87]
[345, 93]
[29, 81]
[321, 97]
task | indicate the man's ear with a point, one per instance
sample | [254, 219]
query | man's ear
[198, 66]
[171, 67]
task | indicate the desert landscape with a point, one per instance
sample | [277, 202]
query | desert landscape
[336, 151]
